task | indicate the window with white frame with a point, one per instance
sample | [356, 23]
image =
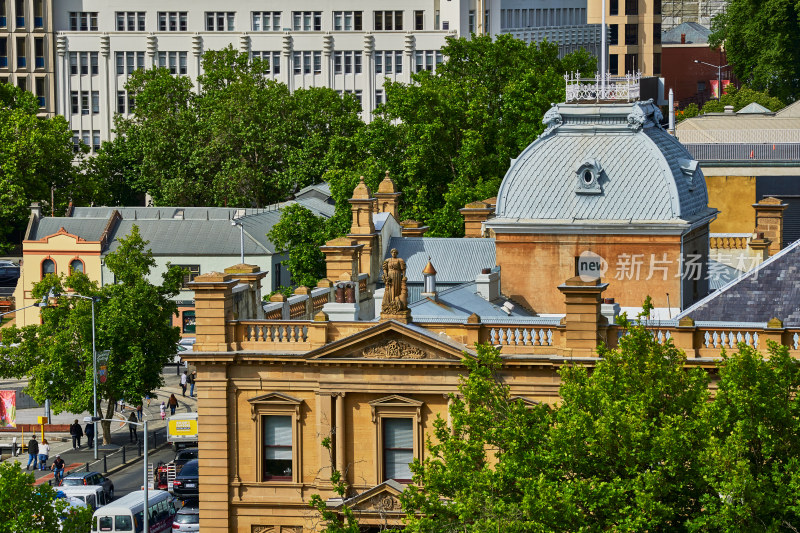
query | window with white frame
[273, 58]
[173, 21]
[130, 20]
[388, 20]
[176, 62]
[277, 447]
[76, 141]
[125, 102]
[83, 21]
[306, 62]
[127, 62]
[85, 102]
[389, 62]
[84, 63]
[220, 20]
[379, 97]
[347, 20]
[307, 20]
[398, 436]
[95, 140]
[266, 21]
[347, 62]
[427, 60]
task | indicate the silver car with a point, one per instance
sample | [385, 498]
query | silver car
[187, 519]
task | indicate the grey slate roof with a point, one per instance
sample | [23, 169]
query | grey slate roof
[89, 229]
[321, 191]
[695, 34]
[456, 260]
[461, 301]
[641, 180]
[770, 290]
[160, 213]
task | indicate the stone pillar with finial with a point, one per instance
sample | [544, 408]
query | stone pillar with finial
[389, 197]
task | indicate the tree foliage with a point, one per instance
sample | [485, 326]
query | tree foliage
[733, 96]
[241, 140]
[762, 42]
[300, 233]
[133, 321]
[29, 508]
[35, 156]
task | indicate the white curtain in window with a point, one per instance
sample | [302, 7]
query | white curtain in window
[278, 432]
[398, 445]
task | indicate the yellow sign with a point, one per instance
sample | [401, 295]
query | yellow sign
[183, 427]
[43, 420]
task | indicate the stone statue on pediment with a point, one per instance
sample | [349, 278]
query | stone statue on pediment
[395, 296]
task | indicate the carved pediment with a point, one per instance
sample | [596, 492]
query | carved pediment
[383, 498]
[527, 401]
[275, 398]
[394, 349]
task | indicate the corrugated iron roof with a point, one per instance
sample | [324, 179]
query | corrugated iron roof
[90, 229]
[457, 260]
[460, 302]
[693, 33]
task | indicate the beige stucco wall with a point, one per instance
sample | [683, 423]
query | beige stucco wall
[734, 196]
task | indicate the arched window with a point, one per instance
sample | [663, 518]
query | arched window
[76, 265]
[48, 267]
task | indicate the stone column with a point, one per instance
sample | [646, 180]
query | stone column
[340, 436]
[389, 197]
[213, 308]
[769, 221]
[475, 214]
[583, 299]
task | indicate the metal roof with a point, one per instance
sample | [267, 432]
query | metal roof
[771, 290]
[460, 302]
[456, 260]
[88, 229]
[693, 32]
[753, 109]
[641, 177]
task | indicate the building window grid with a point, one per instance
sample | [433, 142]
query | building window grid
[427, 60]
[307, 20]
[631, 7]
[347, 62]
[83, 21]
[127, 62]
[347, 20]
[130, 20]
[273, 59]
[388, 20]
[176, 62]
[220, 20]
[389, 62]
[266, 21]
[613, 34]
[173, 21]
[39, 85]
[631, 34]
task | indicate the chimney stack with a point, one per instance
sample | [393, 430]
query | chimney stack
[36, 210]
[488, 284]
[475, 214]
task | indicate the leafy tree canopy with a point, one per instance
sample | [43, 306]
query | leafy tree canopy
[35, 156]
[133, 321]
[29, 508]
[300, 233]
[762, 42]
[736, 97]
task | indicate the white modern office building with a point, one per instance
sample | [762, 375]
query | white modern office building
[349, 45]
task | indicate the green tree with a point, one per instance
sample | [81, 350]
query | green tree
[29, 508]
[133, 322]
[35, 157]
[739, 98]
[300, 232]
[241, 140]
[762, 42]
[448, 137]
[752, 460]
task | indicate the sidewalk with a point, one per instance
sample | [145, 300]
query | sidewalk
[61, 443]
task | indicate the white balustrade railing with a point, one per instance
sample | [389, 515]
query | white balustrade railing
[599, 88]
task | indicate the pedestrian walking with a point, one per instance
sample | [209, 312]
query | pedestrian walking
[163, 411]
[33, 452]
[173, 404]
[89, 431]
[184, 378]
[44, 453]
[139, 412]
[191, 379]
[77, 432]
[132, 428]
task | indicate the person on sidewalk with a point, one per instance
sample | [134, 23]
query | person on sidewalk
[139, 412]
[76, 432]
[33, 452]
[132, 428]
[184, 378]
[58, 469]
[192, 380]
[44, 453]
[173, 404]
[163, 411]
[89, 431]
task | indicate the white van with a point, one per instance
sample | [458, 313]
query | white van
[127, 513]
[182, 429]
[93, 496]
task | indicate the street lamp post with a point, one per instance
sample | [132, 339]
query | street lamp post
[95, 420]
[42, 303]
[719, 75]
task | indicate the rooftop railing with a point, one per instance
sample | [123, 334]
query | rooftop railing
[745, 152]
[615, 88]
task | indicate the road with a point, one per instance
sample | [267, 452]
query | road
[130, 478]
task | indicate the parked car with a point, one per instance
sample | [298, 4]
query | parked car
[78, 479]
[9, 273]
[183, 457]
[92, 495]
[186, 484]
[187, 519]
[184, 345]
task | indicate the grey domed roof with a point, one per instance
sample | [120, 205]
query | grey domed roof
[604, 162]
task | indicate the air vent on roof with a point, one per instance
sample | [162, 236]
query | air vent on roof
[178, 214]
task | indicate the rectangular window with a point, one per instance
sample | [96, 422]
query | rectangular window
[631, 7]
[613, 34]
[347, 20]
[657, 7]
[388, 20]
[174, 61]
[273, 60]
[337, 62]
[38, 13]
[95, 102]
[657, 33]
[22, 83]
[613, 7]
[39, 88]
[277, 447]
[85, 138]
[76, 141]
[130, 20]
[85, 103]
[20, 10]
[297, 63]
[427, 60]
[631, 34]
[121, 102]
[189, 322]
[398, 448]
[613, 64]
[307, 20]
[83, 21]
[94, 63]
[220, 20]
[418, 20]
[73, 63]
[95, 140]
[38, 51]
[631, 63]
[73, 96]
[3, 52]
[3, 20]
[657, 63]
[266, 21]
[317, 62]
[84, 57]
[306, 62]
[378, 97]
[471, 23]
[189, 272]
[21, 53]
